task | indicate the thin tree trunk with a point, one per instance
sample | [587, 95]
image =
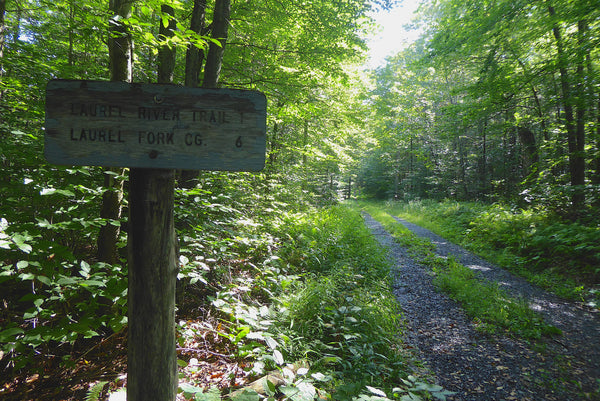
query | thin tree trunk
[596, 176]
[194, 55]
[120, 49]
[274, 144]
[305, 145]
[594, 99]
[193, 64]
[2, 43]
[214, 60]
[483, 163]
[166, 54]
[580, 115]
[71, 57]
[151, 354]
[349, 195]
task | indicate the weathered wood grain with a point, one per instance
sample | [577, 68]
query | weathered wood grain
[165, 126]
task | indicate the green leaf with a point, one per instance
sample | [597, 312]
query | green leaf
[301, 392]
[25, 248]
[66, 281]
[8, 334]
[19, 241]
[376, 391]
[31, 315]
[44, 280]
[92, 283]
[165, 20]
[213, 394]
[278, 357]
[26, 276]
[52, 191]
[246, 395]
[411, 397]
[189, 389]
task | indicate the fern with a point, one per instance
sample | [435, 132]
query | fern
[94, 392]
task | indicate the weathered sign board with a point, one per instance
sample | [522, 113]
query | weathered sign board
[97, 123]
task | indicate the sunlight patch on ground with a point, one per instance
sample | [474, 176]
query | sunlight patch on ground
[478, 267]
[120, 395]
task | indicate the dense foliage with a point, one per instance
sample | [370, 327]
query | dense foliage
[498, 101]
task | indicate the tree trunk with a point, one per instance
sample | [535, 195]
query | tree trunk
[305, 145]
[214, 60]
[575, 138]
[71, 57]
[596, 175]
[120, 49]
[580, 115]
[2, 43]
[274, 144]
[120, 46]
[349, 193]
[530, 151]
[194, 55]
[193, 64]
[483, 181]
[594, 100]
[151, 353]
[166, 54]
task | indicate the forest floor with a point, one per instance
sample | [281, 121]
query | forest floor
[483, 366]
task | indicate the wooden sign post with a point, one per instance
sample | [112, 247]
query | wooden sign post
[153, 128]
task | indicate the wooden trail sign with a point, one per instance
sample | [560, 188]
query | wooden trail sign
[99, 123]
[154, 129]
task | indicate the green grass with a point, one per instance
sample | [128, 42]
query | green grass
[488, 305]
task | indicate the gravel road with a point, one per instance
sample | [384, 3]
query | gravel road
[480, 366]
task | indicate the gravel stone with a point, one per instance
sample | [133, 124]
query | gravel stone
[479, 366]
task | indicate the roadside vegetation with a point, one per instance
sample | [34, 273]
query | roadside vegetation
[275, 299]
[491, 308]
[560, 256]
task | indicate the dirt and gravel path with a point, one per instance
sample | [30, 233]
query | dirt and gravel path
[479, 366]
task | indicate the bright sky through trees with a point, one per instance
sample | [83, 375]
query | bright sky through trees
[393, 35]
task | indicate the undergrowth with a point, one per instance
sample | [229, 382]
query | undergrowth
[337, 319]
[264, 286]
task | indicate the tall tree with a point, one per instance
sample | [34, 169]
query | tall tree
[2, 42]
[120, 49]
[573, 113]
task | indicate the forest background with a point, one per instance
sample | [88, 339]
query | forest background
[498, 103]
